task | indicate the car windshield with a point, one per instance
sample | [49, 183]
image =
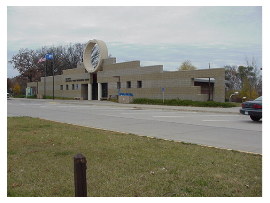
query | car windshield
[259, 99]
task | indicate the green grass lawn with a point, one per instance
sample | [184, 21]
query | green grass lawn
[40, 163]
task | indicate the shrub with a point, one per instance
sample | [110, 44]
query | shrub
[178, 102]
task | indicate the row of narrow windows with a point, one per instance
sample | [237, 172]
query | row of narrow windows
[73, 87]
[76, 86]
[128, 84]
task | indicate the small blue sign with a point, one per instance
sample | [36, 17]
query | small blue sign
[126, 94]
[49, 56]
[163, 89]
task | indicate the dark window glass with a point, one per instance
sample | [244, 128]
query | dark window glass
[128, 84]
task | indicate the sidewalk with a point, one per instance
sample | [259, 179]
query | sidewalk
[232, 110]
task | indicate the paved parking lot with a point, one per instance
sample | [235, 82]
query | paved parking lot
[223, 128]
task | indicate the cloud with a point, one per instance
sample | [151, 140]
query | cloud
[167, 35]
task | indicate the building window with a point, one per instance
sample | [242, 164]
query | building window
[61, 87]
[73, 87]
[77, 86]
[128, 84]
[66, 87]
[139, 84]
[118, 85]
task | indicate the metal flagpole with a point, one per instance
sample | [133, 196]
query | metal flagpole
[53, 75]
[49, 56]
[45, 79]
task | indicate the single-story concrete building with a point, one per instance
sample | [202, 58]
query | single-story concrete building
[101, 77]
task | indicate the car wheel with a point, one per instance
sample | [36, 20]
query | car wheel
[255, 118]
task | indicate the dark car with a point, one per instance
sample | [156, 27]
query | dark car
[253, 109]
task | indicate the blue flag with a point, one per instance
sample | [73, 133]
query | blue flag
[49, 56]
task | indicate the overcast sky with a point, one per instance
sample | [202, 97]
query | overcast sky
[154, 35]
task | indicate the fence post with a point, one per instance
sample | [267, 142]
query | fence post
[80, 175]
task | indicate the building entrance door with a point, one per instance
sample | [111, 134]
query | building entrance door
[104, 87]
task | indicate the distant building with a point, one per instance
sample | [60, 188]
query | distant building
[100, 77]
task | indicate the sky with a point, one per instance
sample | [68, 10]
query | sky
[166, 35]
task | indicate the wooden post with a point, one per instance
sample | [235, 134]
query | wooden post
[80, 176]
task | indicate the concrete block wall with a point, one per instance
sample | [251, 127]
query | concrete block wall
[78, 76]
[177, 84]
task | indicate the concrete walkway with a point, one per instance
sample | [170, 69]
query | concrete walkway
[232, 110]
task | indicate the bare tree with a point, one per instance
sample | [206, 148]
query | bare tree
[64, 57]
[247, 80]
[233, 81]
[26, 63]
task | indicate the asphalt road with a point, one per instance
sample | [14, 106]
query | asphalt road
[222, 130]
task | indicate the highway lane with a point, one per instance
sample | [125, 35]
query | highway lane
[230, 131]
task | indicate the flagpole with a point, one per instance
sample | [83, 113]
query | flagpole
[45, 79]
[53, 76]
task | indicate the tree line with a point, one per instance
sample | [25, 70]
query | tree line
[26, 61]
[246, 80]
[64, 57]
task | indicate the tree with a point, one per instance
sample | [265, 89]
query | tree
[246, 80]
[25, 62]
[19, 83]
[65, 57]
[9, 85]
[16, 89]
[186, 65]
[233, 81]
[259, 85]
[248, 90]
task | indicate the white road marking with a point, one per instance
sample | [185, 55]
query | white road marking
[219, 115]
[215, 120]
[168, 116]
[149, 111]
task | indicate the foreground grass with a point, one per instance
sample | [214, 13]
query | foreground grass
[40, 163]
[178, 102]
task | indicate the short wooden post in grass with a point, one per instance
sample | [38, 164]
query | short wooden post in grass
[80, 175]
